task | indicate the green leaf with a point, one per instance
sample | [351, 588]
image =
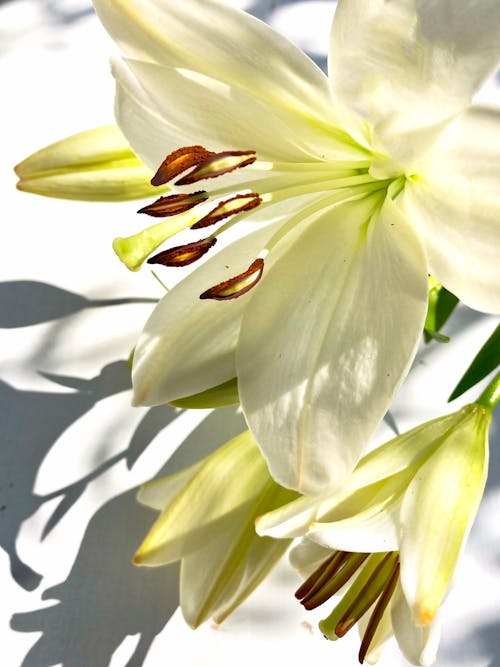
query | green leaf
[216, 397]
[441, 305]
[485, 361]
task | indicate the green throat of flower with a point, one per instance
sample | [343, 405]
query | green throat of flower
[373, 580]
[320, 184]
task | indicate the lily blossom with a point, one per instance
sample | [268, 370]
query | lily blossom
[399, 526]
[373, 178]
[207, 522]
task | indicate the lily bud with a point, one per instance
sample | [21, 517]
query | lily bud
[96, 165]
[207, 521]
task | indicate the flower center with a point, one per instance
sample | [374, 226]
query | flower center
[319, 184]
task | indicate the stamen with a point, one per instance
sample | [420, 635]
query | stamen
[183, 254]
[308, 585]
[367, 596]
[224, 209]
[332, 583]
[216, 164]
[237, 286]
[173, 204]
[377, 614]
[178, 161]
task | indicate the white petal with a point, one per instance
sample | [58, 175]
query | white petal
[307, 556]
[438, 511]
[374, 530]
[188, 344]
[456, 205]
[203, 110]
[419, 644]
[407, 65]
[326, 339]
[208, 37]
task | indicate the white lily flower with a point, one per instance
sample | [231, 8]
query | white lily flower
[375, 177]
[207, 522]
[401, 521]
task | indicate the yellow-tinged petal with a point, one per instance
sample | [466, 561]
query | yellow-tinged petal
[439, 507]
[212, 501]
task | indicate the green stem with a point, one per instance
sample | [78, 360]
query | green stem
[491, 395]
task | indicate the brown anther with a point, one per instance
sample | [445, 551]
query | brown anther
[237, 286]
[217, 164]
[377, 614]
[224, 209]
[173, 204]
[183, 255]
[178, 161]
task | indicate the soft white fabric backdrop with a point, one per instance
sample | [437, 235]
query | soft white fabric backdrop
[73, 451]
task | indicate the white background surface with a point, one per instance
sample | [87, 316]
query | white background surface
[73, 451]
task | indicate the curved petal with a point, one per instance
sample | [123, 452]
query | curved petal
[201, 110]
[307, 556]
[456, 206]
[327, 338]
[188, 344]
[419, 644]
[438, 511]
[224, 43]
[407, 65]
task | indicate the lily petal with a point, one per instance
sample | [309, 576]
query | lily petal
[429, 554]
[456, 207]
[223, 43]
[314, 388]
[307, 556]
[188, 345]
[418, 644]
[408, 65]
[227, 118]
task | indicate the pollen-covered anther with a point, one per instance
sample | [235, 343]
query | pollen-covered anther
[224, 209]
[177, 162]
[183, 255]
[173, 204]
[237, 286]
[217, 164]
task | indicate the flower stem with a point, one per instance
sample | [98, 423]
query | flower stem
[491, 395]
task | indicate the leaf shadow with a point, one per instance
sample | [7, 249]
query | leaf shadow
[105, 598]
[28, 302]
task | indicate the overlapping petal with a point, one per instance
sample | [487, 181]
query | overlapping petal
[188, 344]
[224, 43]
[408, 66]
[455, 204]
[350, 297]
[199, 109]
